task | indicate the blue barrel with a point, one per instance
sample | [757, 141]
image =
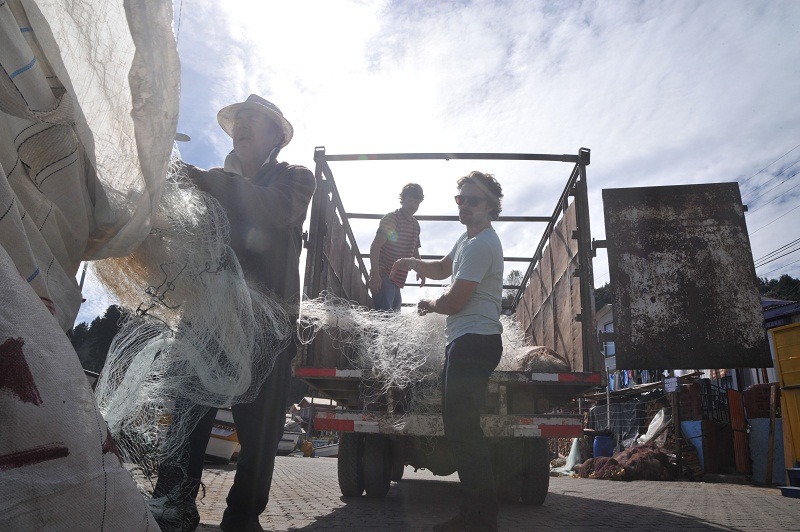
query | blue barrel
[603, 446]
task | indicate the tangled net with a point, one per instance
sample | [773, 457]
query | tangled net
[403, 353]
[202, 337]
[200, 334]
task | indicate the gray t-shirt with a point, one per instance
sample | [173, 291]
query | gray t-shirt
[478, 259]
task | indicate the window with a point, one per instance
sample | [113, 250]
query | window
[608, 347]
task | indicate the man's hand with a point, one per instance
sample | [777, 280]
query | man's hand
[402, 264]
[189, 171]
[375, 282]
[424, 307]
[421, 279]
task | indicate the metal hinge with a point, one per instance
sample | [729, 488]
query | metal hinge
[597, 244]
[604, 336]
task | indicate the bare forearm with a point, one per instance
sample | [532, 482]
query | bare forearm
[441, 305]
[374, 257]
[452, 301]
[432, 269]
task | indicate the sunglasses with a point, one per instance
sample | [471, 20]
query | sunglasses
[472, 201]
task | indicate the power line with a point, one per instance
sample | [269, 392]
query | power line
[776, 176]
[775, 220]
[603, 276]
[773, 199]
[178, 31]
[770, 164]
[781, 267]
[778, 257]
[777, 250]
[793, 292]
[773, 188]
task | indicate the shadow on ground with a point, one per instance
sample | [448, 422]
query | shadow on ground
[414, 505]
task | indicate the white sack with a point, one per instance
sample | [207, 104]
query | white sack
[58, 466]
[88, 111]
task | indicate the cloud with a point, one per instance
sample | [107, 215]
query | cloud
[663, 93]
[97, 300]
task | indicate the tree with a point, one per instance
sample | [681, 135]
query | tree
[79, 333]
[785, 287]
[602, 296]
[514, 278]
[93, 341]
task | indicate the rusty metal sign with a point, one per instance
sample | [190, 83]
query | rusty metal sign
[684, 286]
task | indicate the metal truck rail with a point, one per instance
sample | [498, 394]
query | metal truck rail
[554, 304]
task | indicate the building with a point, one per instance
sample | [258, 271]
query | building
[618, 378]
[307, 408]
[777, 312]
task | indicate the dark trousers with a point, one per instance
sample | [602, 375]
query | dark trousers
[469, 361]
[389, 296]
[259, 426]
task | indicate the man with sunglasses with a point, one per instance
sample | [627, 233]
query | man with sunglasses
[473, 337]
[397, 236]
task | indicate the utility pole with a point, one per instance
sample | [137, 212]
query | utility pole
[83, 275]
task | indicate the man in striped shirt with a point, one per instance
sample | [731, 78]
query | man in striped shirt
[397, 237]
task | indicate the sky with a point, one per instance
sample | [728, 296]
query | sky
[663, 93]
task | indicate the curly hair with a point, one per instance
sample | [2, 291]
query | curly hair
[489, 185]
[413, 190]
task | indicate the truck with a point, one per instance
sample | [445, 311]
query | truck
[554, 305]
[673, 254]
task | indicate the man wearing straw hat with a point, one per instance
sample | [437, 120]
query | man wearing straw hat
[266, 203]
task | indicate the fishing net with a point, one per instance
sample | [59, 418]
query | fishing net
[200, 336]
[403, 353]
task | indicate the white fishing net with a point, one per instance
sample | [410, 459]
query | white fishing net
[200, 334]
[403, 353]
[202, 337]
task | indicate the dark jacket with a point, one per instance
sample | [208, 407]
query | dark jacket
[266, 216]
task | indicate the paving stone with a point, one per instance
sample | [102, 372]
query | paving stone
[305, 496]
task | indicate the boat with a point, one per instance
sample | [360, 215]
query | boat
[224, 441]
[324, 448]
[288, 442]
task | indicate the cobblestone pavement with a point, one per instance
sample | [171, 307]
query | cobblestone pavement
[305, 496]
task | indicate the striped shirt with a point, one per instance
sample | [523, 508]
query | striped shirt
[402, 240]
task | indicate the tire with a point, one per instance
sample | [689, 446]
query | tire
[397, 471]
[351, 464]
[377, 465]
[508, 465]
[536, 475]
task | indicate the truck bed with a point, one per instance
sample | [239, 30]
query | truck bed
[431, 425]
[509, 391]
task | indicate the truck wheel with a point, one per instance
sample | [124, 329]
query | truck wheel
[397, 471]
[536, 475]
[351, 464]
[508, 465]
[377, 465]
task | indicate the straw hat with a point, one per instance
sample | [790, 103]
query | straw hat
[227, 115]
